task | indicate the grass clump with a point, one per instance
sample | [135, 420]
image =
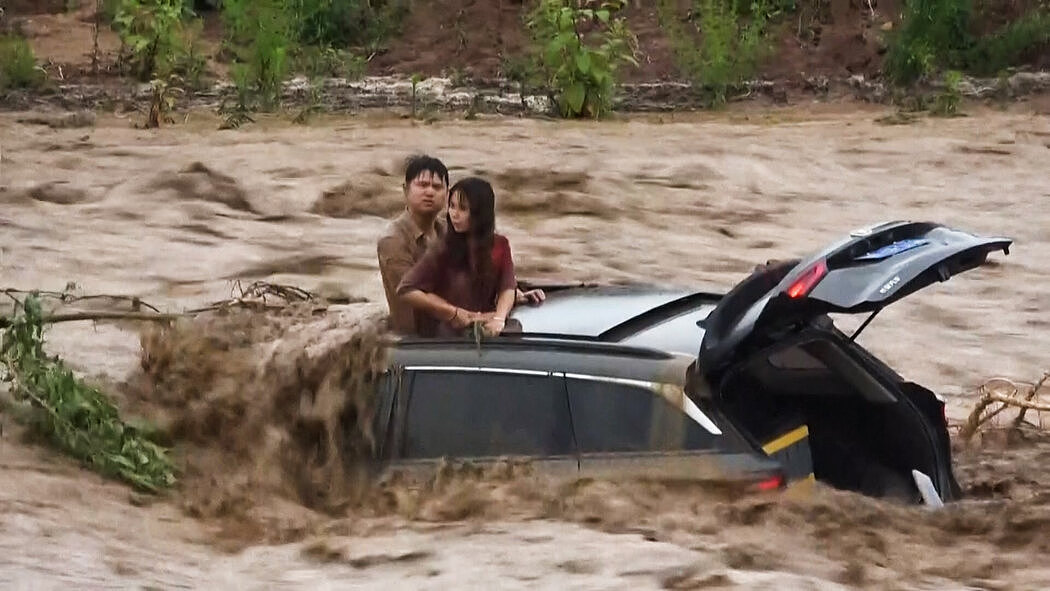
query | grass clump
[76, 418]
[721, 46]
[18, 67]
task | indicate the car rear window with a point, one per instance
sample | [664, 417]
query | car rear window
[616, 417]
[475, 414]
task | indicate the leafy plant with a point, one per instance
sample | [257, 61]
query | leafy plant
[313, 103]
[579, 52]
[240, 113]
[189, 61]
[524, 72]
[416, 79]
[18, 67]
[261, 35]
[330, 62]
[946, 103]
[346, 23]
[149, 32]
[75, 417]
[162, 101]
[933, 33]
[731, 42]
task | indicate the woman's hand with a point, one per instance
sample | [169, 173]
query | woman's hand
[493, 326]
[461, 319]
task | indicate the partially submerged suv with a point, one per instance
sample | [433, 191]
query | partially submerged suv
[755, 387]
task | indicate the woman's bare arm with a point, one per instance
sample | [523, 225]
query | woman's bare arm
[504, 303]
[437, 307]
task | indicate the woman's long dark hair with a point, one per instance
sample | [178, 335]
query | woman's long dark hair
[473, 249]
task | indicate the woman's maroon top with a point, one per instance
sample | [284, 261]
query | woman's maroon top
[457, 286]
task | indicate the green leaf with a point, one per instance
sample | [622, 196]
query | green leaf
[566, 20]
[575, 95]
[603, 15]
[583, 62]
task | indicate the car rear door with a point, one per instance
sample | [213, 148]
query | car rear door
[862, 273]
[633, 428]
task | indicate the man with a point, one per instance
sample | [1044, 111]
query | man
[408, 236]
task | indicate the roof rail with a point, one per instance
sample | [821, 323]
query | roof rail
[560, 342]
[661, 312]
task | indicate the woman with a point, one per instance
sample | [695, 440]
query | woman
[469, 276]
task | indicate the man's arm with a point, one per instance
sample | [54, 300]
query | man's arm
[395, 260]
[533, 296]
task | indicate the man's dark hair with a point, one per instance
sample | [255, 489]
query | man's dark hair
[416, 165]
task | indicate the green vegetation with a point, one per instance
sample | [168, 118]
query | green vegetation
[73, 416]
[731, 42]
[346, 23]
[936, 35]
[271, 38]
[933, 34]
[576, 52]
[18, 67]
[946, 103]
[149, 32]
[1007, 46]
[580, 68]
[260, 33]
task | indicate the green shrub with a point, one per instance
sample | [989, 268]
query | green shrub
[18, 67]
[346, 23]
[328, 61]
[260, 32]
[150, 32]
[938, 34]
[731, 42]
[946, 103]
[581, 68]
[933, 34]
[1007, 46]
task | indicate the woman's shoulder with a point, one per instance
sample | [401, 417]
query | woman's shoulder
[500, 243]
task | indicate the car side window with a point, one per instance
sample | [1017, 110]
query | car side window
[615, 417]
[476, 414]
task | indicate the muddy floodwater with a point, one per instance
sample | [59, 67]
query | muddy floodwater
[179, 215]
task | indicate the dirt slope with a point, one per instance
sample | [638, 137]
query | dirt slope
[474, 37]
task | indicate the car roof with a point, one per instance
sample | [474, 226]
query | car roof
[653, 316]
[637, 331]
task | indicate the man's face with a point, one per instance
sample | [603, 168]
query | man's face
[426, 194]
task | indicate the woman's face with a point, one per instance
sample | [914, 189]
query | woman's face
[459, 212]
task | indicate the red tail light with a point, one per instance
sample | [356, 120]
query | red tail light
[804, 284]
[769, 484]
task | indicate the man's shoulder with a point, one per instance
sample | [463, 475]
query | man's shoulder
[396, 226]
[394, 232]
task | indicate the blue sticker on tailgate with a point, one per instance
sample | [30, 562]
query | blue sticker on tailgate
[893, 249]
